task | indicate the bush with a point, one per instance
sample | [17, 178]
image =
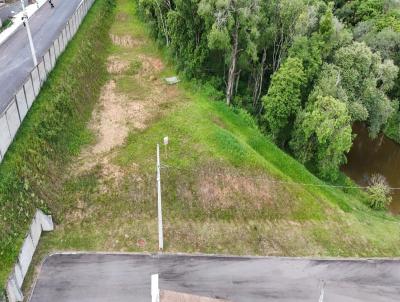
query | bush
[378, 192]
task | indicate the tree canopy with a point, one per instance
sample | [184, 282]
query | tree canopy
[306, 69]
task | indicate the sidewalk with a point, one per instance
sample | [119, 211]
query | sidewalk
[17, 20]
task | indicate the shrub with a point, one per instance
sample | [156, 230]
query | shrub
[378, 192]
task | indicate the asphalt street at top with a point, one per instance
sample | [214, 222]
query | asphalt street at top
[8, 10]
[120, 278]
[15, 57]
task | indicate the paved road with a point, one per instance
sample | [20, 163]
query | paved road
[120, 278]
[15, 57]
[6, 10]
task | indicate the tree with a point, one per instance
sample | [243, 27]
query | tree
[323, 135]
[188, 37]
[366, 79]
[156, 12]
[233, 29]
[283, 100]
[285, 18]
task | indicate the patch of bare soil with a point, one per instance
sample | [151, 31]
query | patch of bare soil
[126, 41]
[117, 113]
[111, 122]
[150, 65]
[223, 188]
[80, 212]
[116, 65]
[171, 296]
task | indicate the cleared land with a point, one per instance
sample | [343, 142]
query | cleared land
[219, 178]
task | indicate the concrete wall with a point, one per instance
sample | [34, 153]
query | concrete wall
[40, 222]
[10, 121]
[13, 116]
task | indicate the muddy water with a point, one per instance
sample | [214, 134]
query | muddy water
[368, 157]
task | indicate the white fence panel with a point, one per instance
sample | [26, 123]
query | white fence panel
[47, 62]
[36, 231]
[5, 138]
[19, 277]
[22, 105]
[36, 81]
[52, 56]
[75, 22]
[29, 93]
[14, 293]
[61, 43]
[40, 222]
[13, 120]
[64, 36]
[56, 49]
[68, 30]
[26, 254]
[42, 73]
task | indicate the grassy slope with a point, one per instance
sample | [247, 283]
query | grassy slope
[53, 131]
[219, 189]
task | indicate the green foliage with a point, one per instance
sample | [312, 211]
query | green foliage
[280, 58]
[283, 99]
[378, 193]
[188, 37]
[322, 136]
[366, 79]
[53, 131]
[392, 129]
[6, 24]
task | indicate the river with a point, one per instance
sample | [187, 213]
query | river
[368, 157]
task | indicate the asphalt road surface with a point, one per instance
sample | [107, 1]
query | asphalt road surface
[120, 278]
[15, 57]
[10, 9]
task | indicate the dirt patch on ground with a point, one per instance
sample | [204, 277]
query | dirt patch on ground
[171, 296]
[115, 116]
[125, 41]
[117, 113]
[224, 190]
[79, 213]
[218, 187]
[150, 64]
[110, 122]
[122, 16]
[116, 65]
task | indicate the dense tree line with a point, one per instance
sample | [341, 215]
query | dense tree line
[306, 69]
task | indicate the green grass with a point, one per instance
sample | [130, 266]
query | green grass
[31, 175]
[6, 24]
[226, 188]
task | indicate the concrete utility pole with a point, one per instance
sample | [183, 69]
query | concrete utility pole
[28, 29]
[160, 223]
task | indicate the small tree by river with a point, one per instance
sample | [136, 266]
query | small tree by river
[378, 192]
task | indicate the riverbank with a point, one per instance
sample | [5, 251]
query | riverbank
[368, 157]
